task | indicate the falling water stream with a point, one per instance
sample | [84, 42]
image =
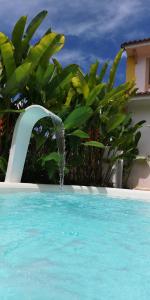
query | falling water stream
[60, 138]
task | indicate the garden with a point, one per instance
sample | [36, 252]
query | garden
[98, 127]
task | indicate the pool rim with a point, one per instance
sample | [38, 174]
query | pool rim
[7, 187]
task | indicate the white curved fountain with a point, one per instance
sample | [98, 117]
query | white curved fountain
[21, 139]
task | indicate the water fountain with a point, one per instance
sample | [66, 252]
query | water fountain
[21, 139]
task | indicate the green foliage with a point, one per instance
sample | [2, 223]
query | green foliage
[80, 133]
[115, 121]
[34, 24]
[94, 93]
[7, 53]
[78, 117]
[92, 74]
[52, 156]
[103, 72]
[18, 79]
[113, 70]
[47, 46]
[31, 29]
[17, 36]
[3, 164]
[94, 144]
[98, 128]
[3, 38]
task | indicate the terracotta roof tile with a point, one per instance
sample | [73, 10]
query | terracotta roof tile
[134, 42]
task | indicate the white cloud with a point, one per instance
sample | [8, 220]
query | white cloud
[86, 18]
[137, 33]
[71, 56]
[67, 56]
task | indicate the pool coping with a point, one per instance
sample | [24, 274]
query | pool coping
[6, 187]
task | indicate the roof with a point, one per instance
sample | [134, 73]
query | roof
[135, 42]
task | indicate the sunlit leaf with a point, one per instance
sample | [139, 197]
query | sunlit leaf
[32, 27]
[17, 36]
[94, 93]
[78, 117]
[94, 144]
[52, 156]
[114, 69]
[92, 74]
[70, 95]
[79, 133]
[18, 79]
[7, 52]
[115, 121]
[103, 72]
[3, 38]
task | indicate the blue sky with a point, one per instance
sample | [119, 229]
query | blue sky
[94, 29]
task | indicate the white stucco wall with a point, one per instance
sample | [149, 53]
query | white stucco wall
[140, 175]
[141, 111]
[140, 73]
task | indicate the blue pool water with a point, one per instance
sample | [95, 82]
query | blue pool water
[73, 247]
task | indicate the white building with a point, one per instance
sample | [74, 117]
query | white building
[138, 69]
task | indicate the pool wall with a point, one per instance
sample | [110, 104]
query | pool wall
[29, 187]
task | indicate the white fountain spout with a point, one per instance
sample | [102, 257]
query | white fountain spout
[21, 139]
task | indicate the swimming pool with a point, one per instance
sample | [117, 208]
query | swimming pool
[62, 246]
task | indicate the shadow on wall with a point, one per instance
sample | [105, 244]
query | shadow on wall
[140, 175]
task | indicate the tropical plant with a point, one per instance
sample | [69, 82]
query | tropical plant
[98, 128]
[105, 133]
[25, 71]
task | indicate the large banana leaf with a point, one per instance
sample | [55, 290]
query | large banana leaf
[3, 38]
[45, 48]
[94, 93]
[17, 36]
[78, 117]
[56, 45]
[115, 95]
[62, 79]
[49, 72]
[115, 121]
[70, 95]
[49, 30]
[43, 75]
[79, 82]
[94, 144]
[18, 79]
[35, 23]
[92, 75]
[114, 69]
[57, 65]
[7, 53]
[52, 156]
[122, 87]
[80, 133]
[102, 72]
[31, 29]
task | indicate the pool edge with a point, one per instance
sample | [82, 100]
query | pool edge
[6, 187]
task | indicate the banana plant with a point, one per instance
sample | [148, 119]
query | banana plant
[98, 139]
[92, 108]
[95, 119]
[23, 63]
